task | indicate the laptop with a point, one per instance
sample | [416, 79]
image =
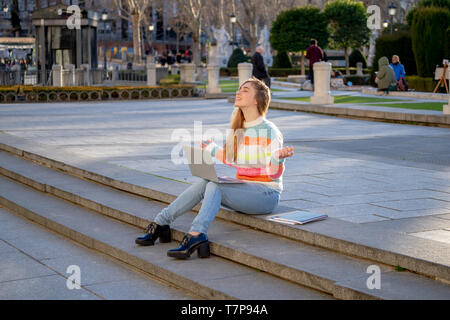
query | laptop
[201, 165]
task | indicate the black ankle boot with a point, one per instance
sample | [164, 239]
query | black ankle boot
[153, 232]
[189, 244]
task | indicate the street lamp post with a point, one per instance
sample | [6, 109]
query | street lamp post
[385, 24]
[233, 21]
[104, 17]
[168, 40]
[392, 10]
[5, 8]
[151, 28]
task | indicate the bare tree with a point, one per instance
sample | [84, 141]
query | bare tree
[179, 26]
[253, 15]
[193, 13]
[134, 11]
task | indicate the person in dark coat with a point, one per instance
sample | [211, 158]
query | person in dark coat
[259, 68]
[315, 54]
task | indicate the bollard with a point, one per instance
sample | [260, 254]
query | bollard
[359, 68]
[187, 73]
[446, 108]
[87, 77]
[245, 72]
[213, 79]
[322, 75]
[151, 74]
[71, 69]
[57, 75]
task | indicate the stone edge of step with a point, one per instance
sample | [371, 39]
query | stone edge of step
[311, 237]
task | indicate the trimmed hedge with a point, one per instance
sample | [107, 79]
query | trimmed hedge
[282, 60]
[355, 57]
[429, 38]
[425, 84]
[61, 94]
[283, 72]
[400, 44]
[237, 57]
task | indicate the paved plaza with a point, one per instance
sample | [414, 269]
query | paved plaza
[358, 171]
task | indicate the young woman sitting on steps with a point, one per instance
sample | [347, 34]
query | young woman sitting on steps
[255, 149]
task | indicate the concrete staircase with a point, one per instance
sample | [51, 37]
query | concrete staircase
[104, 207]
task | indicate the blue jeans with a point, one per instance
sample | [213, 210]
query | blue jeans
[250, 198]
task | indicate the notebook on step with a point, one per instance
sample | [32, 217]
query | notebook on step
[298, 217]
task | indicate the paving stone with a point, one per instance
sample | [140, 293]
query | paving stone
[51, 287]
[113, 126]
[364, 218]
[301, 204]
[352, 209]
[11, 229]
[199, 270]
[444, 216]
[415, 224]
[413, 204]
[137, 289]
[16, 266]
[388, 281]
[5, 247]
[105, 276]
[436, 235]
[414, 213]
[256, 284]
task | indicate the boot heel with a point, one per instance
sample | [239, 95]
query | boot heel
[165, 237]
[203, 250]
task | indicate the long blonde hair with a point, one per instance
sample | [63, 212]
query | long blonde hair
[235, 136]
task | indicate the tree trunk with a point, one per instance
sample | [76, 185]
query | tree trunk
[347, 69]
[196, 48]
[136, 38]
[302, 63]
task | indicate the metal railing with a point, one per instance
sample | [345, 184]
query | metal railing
[11, 77]
[133, 75]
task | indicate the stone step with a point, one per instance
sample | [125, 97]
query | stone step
[377, 244]
[44, 258]
[342, 276]
[212, 278]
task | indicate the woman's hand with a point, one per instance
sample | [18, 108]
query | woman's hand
[205, 143]
[285, 152]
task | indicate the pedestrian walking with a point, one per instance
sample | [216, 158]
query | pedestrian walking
[315, 54]
[255, 148]
[259, 68]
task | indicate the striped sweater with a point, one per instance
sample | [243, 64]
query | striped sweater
[256, 161]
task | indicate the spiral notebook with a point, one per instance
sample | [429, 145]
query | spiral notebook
[298, 217]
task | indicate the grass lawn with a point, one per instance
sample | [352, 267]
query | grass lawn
[347, 99]
[228, 85]
[435, 106]
[233, 85]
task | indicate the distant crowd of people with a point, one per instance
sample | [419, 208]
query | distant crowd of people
[8, 63]
[171, 57]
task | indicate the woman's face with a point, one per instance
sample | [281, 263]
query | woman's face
[245, 96]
